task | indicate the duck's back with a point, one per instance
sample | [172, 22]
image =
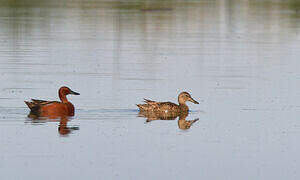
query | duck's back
[158, 106]
[167, 106]
[35, 105]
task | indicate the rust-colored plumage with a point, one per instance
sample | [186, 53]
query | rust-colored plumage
[168, 106]
[53, 108]
[63, 128]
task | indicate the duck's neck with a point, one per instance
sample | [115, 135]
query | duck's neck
[63, 98]
[183, 115]
[183, 107]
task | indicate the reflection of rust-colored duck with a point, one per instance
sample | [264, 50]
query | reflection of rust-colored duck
[63, 128]
[168, 106]
[53, 108]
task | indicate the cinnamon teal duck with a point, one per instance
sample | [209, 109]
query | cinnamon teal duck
[168, 106]
[53, 108]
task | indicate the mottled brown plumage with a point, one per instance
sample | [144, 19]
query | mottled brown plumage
[168, 106]
[158, 115]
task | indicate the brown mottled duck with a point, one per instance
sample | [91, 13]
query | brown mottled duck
[168, 106]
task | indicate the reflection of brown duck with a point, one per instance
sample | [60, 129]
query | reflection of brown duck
[184, 124]
[166, 107]
[53, 108]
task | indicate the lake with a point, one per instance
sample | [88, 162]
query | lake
[238, 58]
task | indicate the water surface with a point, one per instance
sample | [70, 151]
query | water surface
[240, 57]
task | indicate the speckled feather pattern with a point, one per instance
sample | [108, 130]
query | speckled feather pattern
[168, 106]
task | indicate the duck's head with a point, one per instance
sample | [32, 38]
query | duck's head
[184, 96]
[63, 91]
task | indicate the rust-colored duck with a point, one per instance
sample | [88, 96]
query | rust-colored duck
[53, 108]
[168, 106]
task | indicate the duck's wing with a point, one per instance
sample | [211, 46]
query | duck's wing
[149, 106]
[42, 102]
[167, 107]
[145, 107]
[148, 101]
[36, 104]
[158, 106]
[38, 100]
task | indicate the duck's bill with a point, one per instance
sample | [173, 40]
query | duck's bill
[194, 101]
[74, 93]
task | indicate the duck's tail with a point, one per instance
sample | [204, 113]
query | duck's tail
[139, 106]
[143, 107]
[30, 105]
[34, 107]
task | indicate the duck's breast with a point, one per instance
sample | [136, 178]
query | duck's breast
[57, 109]
[71, 109]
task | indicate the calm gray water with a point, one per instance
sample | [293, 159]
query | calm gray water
[240, 58]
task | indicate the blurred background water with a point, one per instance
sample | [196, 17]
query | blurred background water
[241, 57]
